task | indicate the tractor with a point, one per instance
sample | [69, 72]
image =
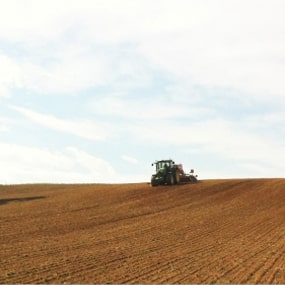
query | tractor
[169, 173]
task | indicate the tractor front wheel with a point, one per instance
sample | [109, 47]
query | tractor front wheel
[153, 181]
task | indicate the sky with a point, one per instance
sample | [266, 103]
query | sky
[94, 91]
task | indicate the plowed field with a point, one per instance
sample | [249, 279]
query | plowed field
[214, 231]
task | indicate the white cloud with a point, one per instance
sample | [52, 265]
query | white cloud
[204, 42]
[32, 21]
[129, 159]
[100, 20]
[99, 168]
[222, 138]
[9, 75]
[270, 119]
[25, 164]
[151, 107]
[71, 70]
[85, 129]
[66, 70]
[4, 124]
[225, 51]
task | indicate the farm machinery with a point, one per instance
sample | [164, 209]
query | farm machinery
[167, 172]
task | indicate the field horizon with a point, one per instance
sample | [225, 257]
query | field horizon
[212, 231]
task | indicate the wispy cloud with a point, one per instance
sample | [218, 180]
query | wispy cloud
[84, 129]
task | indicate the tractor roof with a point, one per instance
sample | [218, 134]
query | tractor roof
[164, 160]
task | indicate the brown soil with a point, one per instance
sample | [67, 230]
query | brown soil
[214, 231]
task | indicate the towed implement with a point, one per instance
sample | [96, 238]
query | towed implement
[167, 172]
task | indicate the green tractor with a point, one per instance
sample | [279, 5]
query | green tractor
[166, 173]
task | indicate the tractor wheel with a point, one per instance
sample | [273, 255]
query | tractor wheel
[170, 179]
[153, 182]
[176, 178]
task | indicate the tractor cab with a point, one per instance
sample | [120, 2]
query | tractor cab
[163, 164]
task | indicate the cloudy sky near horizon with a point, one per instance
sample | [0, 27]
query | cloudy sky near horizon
[96, 90]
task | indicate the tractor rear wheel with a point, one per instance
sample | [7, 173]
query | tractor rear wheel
[176, 178]
[170, 179]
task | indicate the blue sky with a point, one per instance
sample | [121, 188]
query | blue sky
[95, 91]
